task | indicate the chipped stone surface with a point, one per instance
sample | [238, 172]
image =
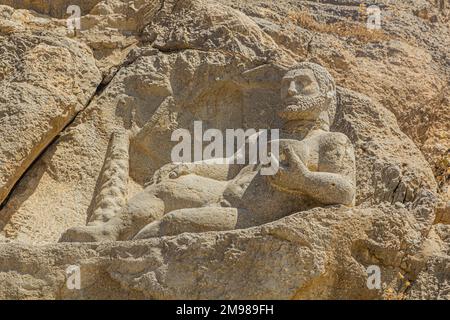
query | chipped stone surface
[36, 108]
[322, 253]
[142, 68]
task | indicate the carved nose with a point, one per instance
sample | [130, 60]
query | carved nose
[292, 90]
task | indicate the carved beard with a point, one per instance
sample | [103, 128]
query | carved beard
[303, 108]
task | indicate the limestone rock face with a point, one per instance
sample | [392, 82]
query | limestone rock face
[143, 68]
[35, 108]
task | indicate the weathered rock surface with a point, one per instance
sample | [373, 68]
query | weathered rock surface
[322, 253]
[145, 68]
[36, 108]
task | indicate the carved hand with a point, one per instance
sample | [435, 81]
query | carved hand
[170, 171]
[292, 170]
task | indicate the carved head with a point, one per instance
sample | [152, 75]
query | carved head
[308, 92]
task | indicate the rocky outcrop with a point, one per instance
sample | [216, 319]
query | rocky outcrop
[36, 108]
[145, 68]
[322, 253]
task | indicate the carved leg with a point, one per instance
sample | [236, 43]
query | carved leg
[191, 220]
[112, 218]
[189, 191]
[142, 209]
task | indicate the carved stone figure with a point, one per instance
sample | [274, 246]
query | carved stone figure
[317, 168]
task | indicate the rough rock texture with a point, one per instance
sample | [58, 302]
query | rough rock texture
[144, 68]
[36, 108]
[322, 253]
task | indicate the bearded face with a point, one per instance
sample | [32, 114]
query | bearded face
[301, 95]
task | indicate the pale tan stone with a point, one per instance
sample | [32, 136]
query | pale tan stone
[144, 68]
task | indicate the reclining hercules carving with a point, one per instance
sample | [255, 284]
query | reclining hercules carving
[317, 168]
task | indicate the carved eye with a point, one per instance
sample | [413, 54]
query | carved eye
[304, 81]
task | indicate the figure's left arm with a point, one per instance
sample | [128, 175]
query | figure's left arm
[335, 179]
[333, 183]
[329, 188]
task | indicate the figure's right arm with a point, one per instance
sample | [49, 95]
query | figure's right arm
[221, 172]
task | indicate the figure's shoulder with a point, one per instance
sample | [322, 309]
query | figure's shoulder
[290, 142]
[337, 138]
[337, 148]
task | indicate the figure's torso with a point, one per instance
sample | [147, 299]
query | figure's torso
[254, 192]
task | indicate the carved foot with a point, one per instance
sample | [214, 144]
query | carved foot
[89, 234]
